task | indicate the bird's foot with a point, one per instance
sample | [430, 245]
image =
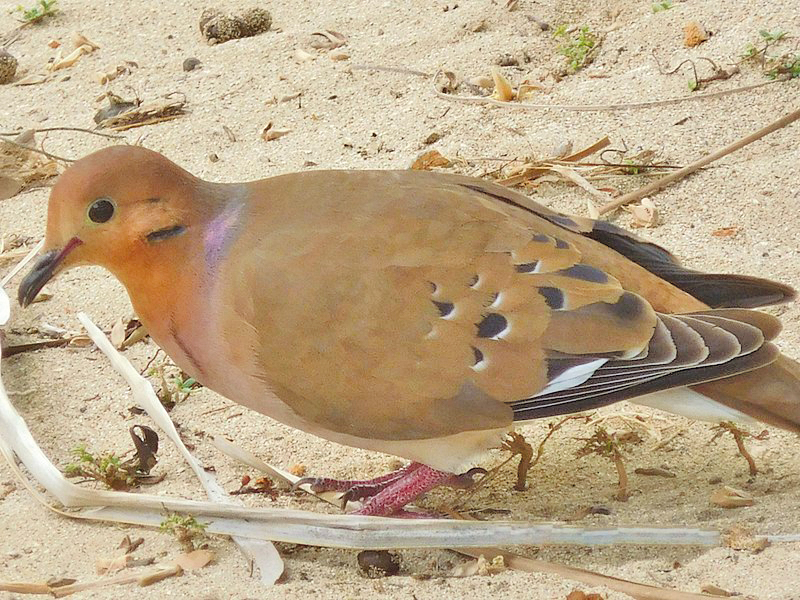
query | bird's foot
[355, 489]
[395, 495]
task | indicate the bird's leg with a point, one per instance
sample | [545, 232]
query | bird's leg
[394, 496]
[356, 489]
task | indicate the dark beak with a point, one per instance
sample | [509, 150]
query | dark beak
[43, 271]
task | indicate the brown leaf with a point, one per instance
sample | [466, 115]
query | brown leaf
[726, 231]
[728, 497]
[103, 566]
[715, 590]
[197, 559]
[272, 133]
[430, 160]
[502, 87]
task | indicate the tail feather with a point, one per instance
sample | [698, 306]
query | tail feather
[770, 394]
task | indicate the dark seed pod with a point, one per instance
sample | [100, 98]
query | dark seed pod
[378, 563]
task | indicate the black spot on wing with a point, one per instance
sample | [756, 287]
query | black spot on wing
[492, 325]
[445, 308]
[554, 297]
[629, 307]
[527, 267]
[584, 273]
[478, 355]
[540, 238]
[561, 244]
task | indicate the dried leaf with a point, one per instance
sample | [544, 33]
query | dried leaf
[118, 333]
[726, 231]
[197, 559]
[21, 168]
[481, 567]
[728, 497]
[327, 40]
[339, 55]
[70, 59]
[527, 89]
[78, 40]
[502, 87]
[103, 566]
[303, 56]
[271, 133]
[430, 160]
[122, 115]
[644, 214]
[715, 590]
[32, 79]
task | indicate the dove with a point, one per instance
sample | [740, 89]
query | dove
[413, 313]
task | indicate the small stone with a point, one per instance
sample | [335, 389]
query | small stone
[432, 138]
[506, 60]
[378, 563]
[190, 64]
[694, 34]
[8, 66]
[213, 157]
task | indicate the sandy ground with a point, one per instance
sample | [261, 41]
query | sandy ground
[350, 118]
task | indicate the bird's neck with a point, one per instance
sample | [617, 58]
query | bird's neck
[172, 282]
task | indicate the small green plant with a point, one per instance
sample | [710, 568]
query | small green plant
[108, 469]
[578, 46]
[189, 532]
[174, 388]
[786, 64]
[662, 6]
[37, 13]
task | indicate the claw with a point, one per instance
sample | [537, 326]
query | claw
[316, 483]
[466, 480]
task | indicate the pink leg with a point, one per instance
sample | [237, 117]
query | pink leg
[356, 489]
[395, 495]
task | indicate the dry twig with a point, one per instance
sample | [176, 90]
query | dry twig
[688, 169]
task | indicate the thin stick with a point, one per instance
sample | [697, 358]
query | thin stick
[640, 591]
[681, 173]
[400, 70]
[81, 129]
[596, 107]
[32, 149]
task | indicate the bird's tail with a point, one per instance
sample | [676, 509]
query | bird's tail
[770, 394]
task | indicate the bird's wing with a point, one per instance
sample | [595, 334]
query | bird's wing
[411, 306]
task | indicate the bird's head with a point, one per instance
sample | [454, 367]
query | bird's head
[116, 208]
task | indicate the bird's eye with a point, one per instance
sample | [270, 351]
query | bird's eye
[101, 210]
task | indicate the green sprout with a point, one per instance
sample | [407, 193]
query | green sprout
[108, 469]
[577, 47]
[189, 532]
[37, 13]
[662, 6]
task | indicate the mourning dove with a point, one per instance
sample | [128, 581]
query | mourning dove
[413, 313]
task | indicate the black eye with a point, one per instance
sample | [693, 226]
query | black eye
[101, 210]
